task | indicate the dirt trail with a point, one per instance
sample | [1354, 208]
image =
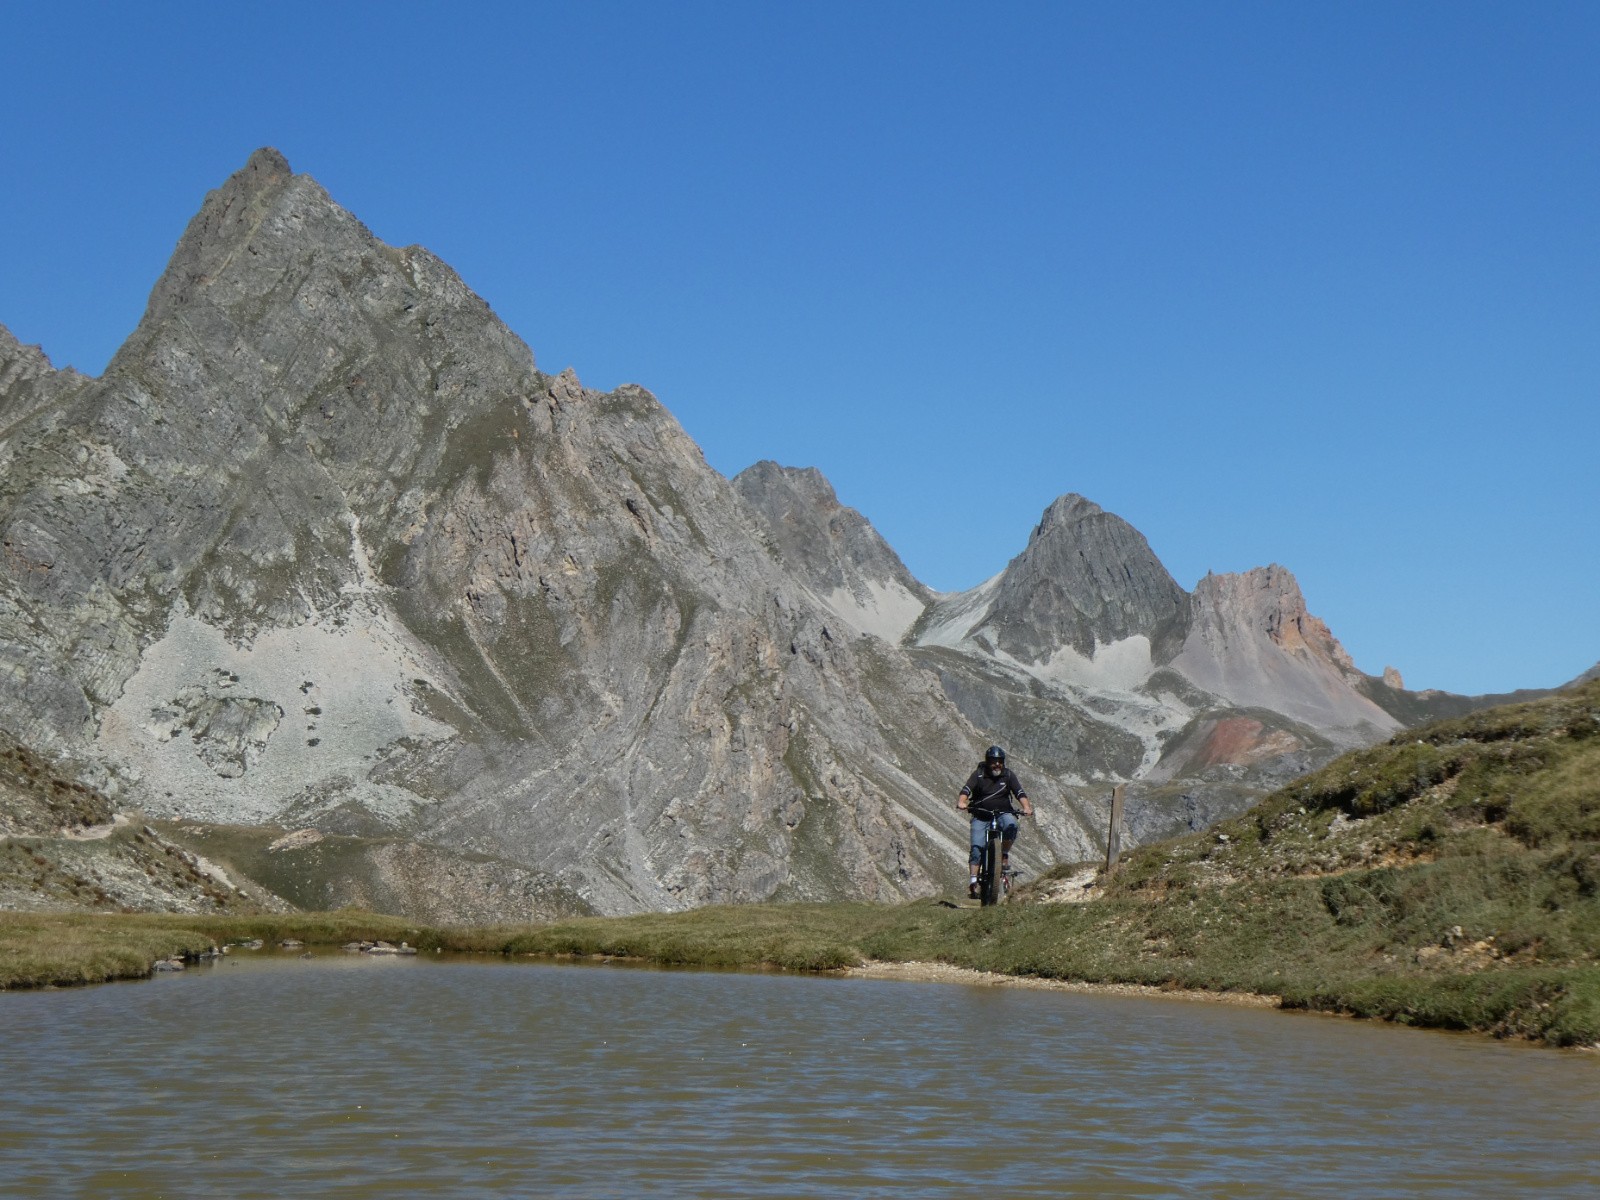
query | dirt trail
[94, 833]
[83, 833]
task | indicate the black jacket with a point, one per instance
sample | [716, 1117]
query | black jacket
[988, 794]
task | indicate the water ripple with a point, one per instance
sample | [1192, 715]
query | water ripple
[343, 1077]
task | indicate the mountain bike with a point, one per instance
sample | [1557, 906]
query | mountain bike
[992, 882]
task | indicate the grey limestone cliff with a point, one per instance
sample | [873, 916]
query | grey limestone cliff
[323, 547]
[832, 550]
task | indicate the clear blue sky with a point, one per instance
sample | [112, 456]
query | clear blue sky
[1308, 284]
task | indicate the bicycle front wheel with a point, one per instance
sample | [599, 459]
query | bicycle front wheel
[991, 888]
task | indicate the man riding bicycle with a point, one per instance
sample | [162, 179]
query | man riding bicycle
[989, 791]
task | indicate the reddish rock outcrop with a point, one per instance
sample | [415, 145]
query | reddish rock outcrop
[1253, 643]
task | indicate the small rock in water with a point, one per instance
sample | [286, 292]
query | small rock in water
[291, 944]
[169, 964]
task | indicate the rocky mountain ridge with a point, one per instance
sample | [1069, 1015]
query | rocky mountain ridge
[836, 554]
[323, 549]
[1100, 667]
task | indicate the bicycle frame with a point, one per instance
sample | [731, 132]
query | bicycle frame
[991, 882]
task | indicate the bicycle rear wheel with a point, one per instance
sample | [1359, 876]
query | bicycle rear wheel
[991, 889]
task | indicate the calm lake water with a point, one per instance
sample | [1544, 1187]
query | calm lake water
[353, 1077]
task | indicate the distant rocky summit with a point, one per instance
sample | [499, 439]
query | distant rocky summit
[1097, 665]
[324, 550]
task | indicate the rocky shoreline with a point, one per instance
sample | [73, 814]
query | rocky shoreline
[378, 948]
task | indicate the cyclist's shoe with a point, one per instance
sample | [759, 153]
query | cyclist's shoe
[972, 890]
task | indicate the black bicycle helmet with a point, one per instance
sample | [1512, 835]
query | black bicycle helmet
[994, 754]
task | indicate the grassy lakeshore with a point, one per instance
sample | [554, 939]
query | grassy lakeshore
[1266, 951]
[1449, 878]
[63, 949]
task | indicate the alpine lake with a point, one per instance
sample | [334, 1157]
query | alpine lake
[268, 1075]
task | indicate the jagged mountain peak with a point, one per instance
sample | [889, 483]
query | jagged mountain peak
[266, 161]
[29, 383]
[769, 471]
[270, 240]
[22, 360]
[832, 549]
[229, 213]
[264, 172]
[1065, 511]
[1255, 644]
[1269, 599]
[21, 366]
[1086, 579]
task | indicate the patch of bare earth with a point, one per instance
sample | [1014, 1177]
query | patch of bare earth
[1077, 888]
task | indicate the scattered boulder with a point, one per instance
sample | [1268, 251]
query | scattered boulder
[390, 948]
[379, 948]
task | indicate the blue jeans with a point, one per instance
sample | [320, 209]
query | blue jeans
[980, 834]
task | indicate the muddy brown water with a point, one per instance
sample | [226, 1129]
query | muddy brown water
[270, 1076]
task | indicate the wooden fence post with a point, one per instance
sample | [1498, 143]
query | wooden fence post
[1114, 838]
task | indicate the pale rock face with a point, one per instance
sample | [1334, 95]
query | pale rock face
[1254, 644]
